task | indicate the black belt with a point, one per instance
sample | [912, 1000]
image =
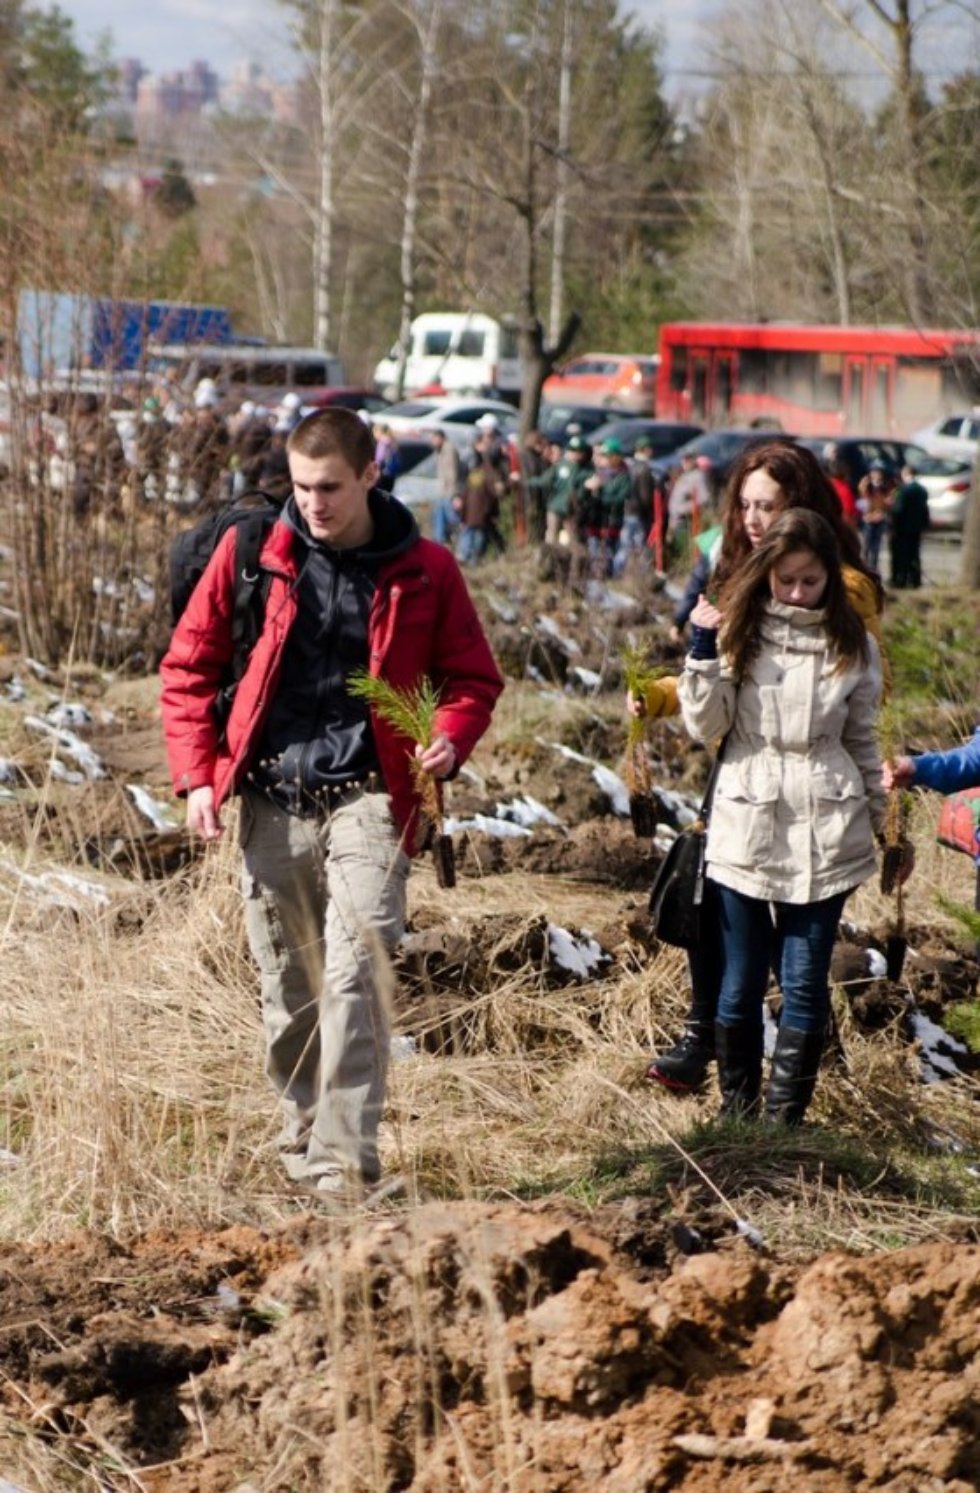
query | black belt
[309, 803]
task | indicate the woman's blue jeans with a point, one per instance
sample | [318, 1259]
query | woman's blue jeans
[795, 941]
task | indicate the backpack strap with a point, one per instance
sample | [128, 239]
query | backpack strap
[251, 585]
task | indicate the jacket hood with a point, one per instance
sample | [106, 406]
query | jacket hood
[802, 628]
[395, 530]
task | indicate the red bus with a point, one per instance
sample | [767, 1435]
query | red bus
[815, 380]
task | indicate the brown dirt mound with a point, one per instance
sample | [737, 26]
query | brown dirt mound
[465, 1345]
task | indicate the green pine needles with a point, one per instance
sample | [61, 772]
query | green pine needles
[412, 712]
[638, 675]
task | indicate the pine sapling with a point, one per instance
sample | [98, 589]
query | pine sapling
[638, 675]
[412, 713]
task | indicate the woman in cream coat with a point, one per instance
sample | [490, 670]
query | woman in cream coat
[798, 798]
[767, 479]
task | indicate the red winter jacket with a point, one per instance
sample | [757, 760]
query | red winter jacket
[422, 621]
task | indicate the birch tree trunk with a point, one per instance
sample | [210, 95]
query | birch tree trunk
[323, 227]
[428, 29]
[561, 179]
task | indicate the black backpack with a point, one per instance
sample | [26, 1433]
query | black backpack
[252, 517]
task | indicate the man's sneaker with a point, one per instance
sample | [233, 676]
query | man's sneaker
[685, 1067]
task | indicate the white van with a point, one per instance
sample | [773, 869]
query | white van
[462, 352]
[262, 372]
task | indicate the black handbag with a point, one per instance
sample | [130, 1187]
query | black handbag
[677, 894]
[678, 889]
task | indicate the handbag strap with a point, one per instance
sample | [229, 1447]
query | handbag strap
[709, 791]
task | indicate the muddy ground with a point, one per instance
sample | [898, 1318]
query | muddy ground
[644, 1344]
[475, 1346]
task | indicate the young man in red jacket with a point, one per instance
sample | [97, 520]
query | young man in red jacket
[330, 811]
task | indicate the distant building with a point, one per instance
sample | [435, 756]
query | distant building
[154, 100]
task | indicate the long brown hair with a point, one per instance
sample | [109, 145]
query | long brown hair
[803, 484]
[747, 594]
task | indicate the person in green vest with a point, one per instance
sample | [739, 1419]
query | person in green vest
[563, 485]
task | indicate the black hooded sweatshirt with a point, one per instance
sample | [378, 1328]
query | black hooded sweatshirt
[317, 736]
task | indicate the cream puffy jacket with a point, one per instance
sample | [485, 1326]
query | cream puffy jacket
[798, 797]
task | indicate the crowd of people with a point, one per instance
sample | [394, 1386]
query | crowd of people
[782, 677]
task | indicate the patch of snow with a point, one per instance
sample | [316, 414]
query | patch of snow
[528, 811]
[60, 888]
[614, 788]
[502, 609]
[610, 600]
[567, 751]
[402, 1048]
[673, 591]
[581, 957]
[683, 810]
[38, 669]
[550, 626]
[15, 691]
[472, 776]
[159, 814]
[877, 964]
[610, 782]
[8, 770]
[68, 742]
[749, 1232]
[63, 774]
[500, 829]
[935, 1065]
[588, 678]
[70, 716]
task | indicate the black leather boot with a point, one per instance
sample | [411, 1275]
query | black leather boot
[684, 1066]
[739, 1053]
[793, 1075]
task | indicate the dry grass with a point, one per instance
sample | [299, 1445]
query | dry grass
[133, 1094]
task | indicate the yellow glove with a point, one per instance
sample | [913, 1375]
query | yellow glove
[661, 698]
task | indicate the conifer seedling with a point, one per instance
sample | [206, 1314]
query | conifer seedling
[412, 713]
[638, 675]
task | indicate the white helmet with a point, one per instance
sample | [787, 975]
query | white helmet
[205, 394]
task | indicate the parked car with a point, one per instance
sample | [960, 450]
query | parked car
[721, 447]
[344, 397]
[949, 495]
[664, 435]
[412, 452]
[626, 380]
[420, 486]
[952, 435]
[456, 416]
[947, 480]
[559, 421]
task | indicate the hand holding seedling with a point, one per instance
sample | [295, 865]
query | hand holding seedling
[438, 758]
[898, 773]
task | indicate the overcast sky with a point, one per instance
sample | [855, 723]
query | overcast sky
[168, 34]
